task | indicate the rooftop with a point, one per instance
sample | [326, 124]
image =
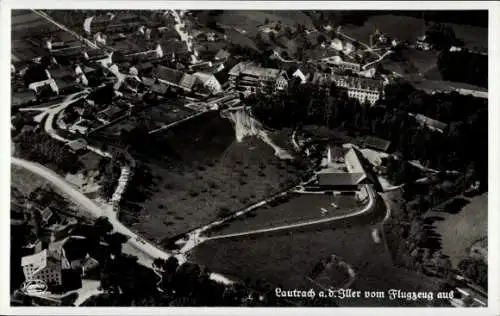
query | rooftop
[251, 69]
[377, 143]
[340, 179]
[167, 74]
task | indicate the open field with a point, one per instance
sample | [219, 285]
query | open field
[201, 171]
[287, 259]
[295, 209]
[415, 62]
[460, 227]
[409, 28]
[249, 20]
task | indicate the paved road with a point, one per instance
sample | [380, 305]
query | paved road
[64, 28]
[90, 206]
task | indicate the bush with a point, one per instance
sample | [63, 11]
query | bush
[223, 212]
[201, 168]
[213, 185]
[193, 193]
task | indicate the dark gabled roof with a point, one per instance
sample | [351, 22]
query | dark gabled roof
[168, 74]
[96, 53]
[187, 81]
[144, 66]
[159, 88]
[35, 73]
[377, 143]
[61, 72]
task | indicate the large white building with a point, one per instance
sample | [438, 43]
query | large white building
[362, 89]
[42, 266]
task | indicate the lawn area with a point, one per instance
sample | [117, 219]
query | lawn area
[25, 181]
[460, 228]
[249, 20]
[414, 62]
[295, 208]
[287, 259]
[200, 169]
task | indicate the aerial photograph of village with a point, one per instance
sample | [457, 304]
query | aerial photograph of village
[249, 158]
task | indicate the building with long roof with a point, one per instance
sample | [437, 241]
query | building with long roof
[248, 77]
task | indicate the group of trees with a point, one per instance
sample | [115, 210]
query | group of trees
[37, 146]
[476, 270]
[442, 37]
[472, 69]
[461, 146]
[109, 173]
[410, 236]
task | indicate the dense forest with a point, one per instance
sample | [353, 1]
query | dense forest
[464, 67]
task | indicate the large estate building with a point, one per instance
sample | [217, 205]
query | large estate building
[249, 78]
[362, 89]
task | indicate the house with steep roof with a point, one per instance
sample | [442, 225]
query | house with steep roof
[344, 180]
[354, 172]
[209, 82]
[174, 78]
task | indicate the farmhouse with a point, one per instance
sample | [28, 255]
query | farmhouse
[249, 78]
[337, 179]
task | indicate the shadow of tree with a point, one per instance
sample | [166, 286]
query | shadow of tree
[455, 206]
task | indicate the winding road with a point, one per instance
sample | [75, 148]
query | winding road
[145, 251]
